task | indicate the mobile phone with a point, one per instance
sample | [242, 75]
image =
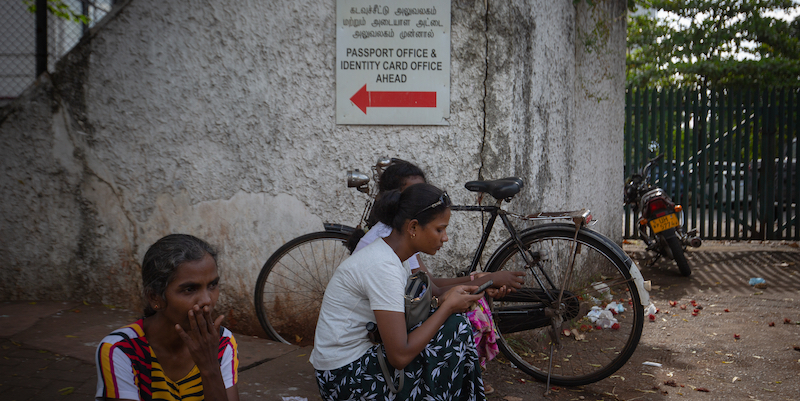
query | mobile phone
[483, 287]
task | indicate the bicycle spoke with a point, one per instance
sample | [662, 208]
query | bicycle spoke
[290, 276]
[291, 286]
[584, 349]
[304, 264]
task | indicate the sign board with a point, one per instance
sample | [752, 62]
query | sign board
[393, 62]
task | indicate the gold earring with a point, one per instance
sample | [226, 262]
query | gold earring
[413, 235]
[155, 307]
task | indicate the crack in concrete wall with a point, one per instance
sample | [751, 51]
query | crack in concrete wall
[485, 82]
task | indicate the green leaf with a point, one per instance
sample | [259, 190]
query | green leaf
[66, 390]
[59, 9]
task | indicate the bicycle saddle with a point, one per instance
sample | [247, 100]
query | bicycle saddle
[503, 188]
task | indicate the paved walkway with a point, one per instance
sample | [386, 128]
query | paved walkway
[47, 353]
[47, 348]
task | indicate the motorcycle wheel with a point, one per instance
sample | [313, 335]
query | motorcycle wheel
[676, 248]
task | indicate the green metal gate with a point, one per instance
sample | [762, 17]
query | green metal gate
[730, 158]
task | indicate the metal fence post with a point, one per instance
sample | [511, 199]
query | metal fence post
[41, 36]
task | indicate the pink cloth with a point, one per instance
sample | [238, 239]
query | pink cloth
[483, 331]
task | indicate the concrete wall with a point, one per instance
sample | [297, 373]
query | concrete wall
[217, 119]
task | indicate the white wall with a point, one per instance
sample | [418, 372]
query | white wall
[217, 119]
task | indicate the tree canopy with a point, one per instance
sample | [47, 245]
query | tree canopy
[732, 43]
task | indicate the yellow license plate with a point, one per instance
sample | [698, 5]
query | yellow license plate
[664, 223]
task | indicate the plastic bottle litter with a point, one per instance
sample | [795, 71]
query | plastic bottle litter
[756, 280]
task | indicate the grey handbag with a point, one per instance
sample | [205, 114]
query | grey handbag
[418, 297]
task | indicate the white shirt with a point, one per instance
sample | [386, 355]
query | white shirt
[381, 230]
[371, 279]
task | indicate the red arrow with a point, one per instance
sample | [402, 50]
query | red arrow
[364, 99]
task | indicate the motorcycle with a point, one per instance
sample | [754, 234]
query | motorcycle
[660, 220]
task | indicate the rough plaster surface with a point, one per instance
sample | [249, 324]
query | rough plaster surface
[217, 119]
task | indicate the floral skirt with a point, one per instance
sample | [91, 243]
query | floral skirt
[447, 369]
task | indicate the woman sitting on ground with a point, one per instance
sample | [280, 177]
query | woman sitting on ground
[176, 352]
[439, 356]
[400, 175]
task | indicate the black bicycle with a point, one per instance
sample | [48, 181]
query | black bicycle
[549, 329]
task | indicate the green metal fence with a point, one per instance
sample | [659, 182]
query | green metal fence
[730, 158]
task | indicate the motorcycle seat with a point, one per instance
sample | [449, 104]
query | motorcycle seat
[503, 188]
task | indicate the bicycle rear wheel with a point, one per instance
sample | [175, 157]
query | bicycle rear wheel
[677, 252]
[291, 285]
[529, 322]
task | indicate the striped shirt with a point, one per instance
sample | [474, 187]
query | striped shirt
[127, 368]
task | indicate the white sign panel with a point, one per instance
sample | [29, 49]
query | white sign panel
[393, 62]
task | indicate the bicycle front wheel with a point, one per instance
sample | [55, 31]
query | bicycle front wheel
[539, 334]
[292, 283]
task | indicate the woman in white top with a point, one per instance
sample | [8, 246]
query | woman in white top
[400, 175]
[439, 356]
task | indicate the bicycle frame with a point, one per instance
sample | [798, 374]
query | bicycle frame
[552, 255]
[579, 218]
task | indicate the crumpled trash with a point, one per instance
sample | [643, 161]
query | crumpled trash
[615, 307]
[650, 311]
[756, 280]
[601, 317]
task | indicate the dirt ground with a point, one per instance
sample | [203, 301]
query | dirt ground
[744, 344]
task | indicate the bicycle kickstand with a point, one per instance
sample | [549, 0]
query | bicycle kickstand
[555, 340]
